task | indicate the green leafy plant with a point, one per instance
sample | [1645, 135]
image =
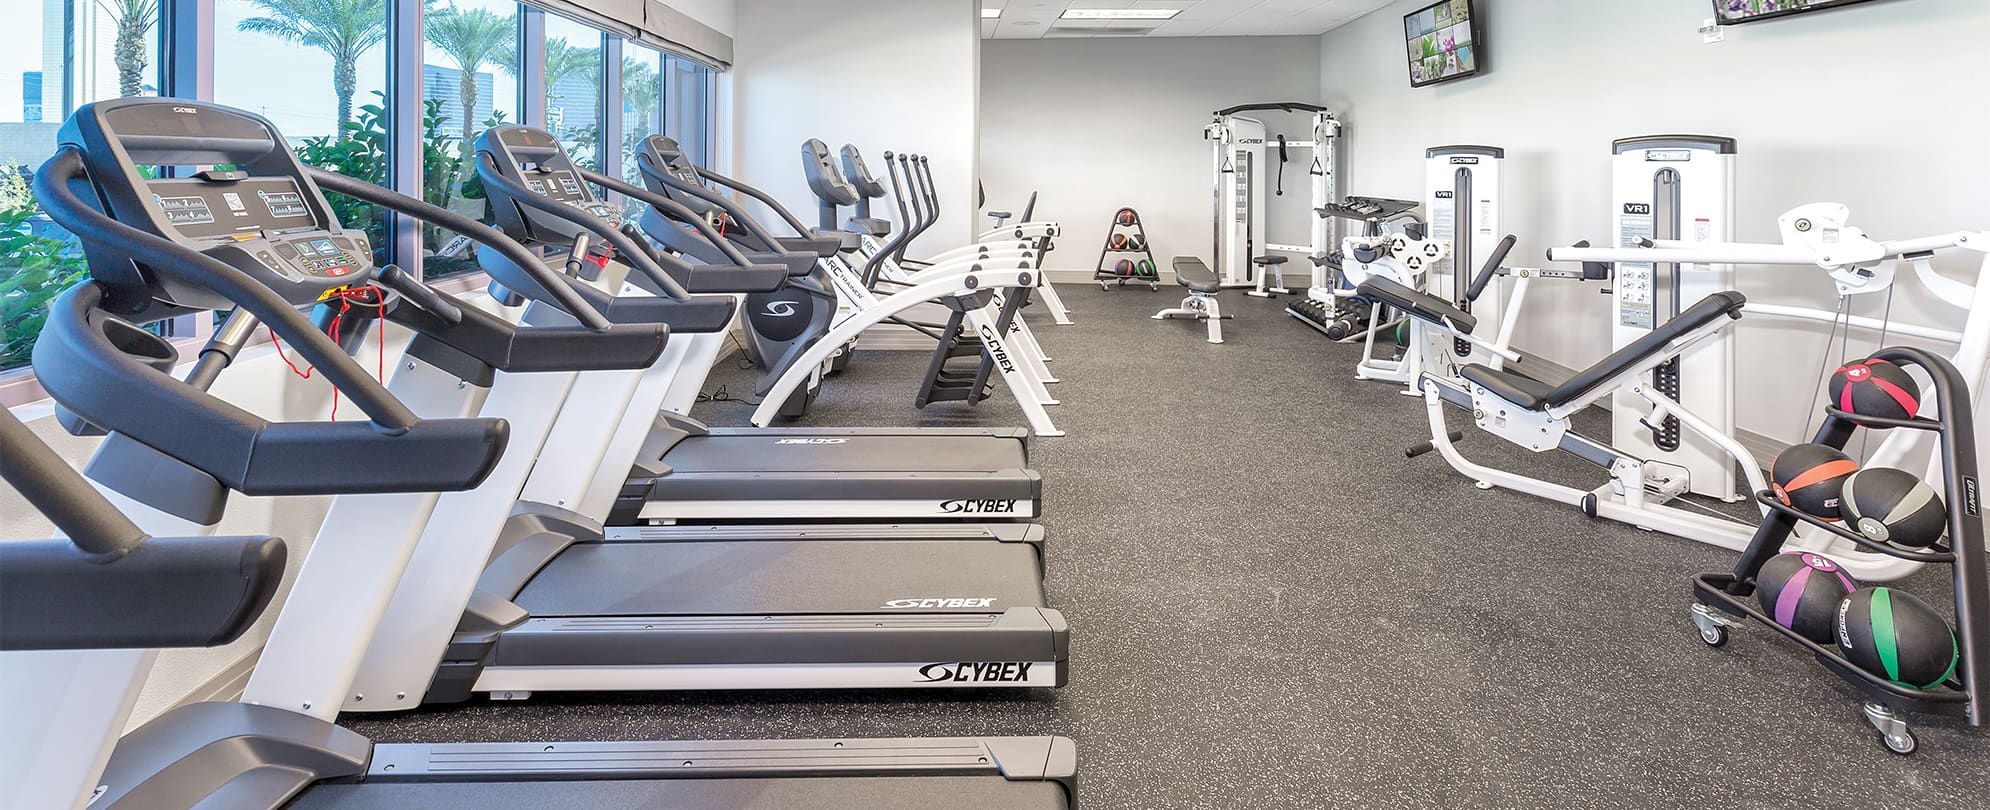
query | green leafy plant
[33, 269]
[360, 152]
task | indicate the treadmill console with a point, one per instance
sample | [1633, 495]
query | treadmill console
[236, 194]
[663, 152]
[537, 161]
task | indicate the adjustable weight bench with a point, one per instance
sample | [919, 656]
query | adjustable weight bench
[1536, 416]
[1203, 285]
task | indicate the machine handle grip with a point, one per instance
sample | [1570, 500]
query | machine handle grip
[674, 209]
[546, 285]
[1491, 268]
[637, 255]
[54, 489]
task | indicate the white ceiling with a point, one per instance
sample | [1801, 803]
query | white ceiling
[1038, 19]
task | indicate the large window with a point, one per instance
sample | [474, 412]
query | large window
[573, 88]
[62, 54]
[318, 70]
[689, 93]
[469, 84]
[642, 103]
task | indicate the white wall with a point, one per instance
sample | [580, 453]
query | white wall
[896, 75]
[720, 15]
[1863, 106]
[1096, 124]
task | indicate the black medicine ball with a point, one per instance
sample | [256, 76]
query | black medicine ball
[1809, 477]
[1875, 388]
[1801, 591]
[1893, 506]
[1896, 636]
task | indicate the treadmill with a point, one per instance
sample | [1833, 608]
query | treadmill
[564, 605]
[686, 471]
[260, 239]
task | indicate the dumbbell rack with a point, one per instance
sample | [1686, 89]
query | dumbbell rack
[1723, 600]
[1137, 255]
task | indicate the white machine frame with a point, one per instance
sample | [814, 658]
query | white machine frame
[1239, 150]
[1675, 187]
[1817, 234]
[1464, 197]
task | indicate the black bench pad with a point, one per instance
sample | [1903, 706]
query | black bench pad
[1421, 305]
[1536, 396]
[1190, 272]
[1525, 392]
[1267, 261]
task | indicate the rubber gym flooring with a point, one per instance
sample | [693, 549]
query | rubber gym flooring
[1272, 607]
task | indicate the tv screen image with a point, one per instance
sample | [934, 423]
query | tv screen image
[1741, 11]
[1443, 42]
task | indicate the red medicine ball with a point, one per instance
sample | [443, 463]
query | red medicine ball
[1875, 388]
[1810, 477]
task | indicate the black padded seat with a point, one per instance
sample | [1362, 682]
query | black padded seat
[871, 225]
[1421, 305]
[999, 214]
[1537, 396]
[1190, 272]
[1267, 261]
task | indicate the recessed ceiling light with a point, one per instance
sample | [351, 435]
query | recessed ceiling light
[991, 14]
[1120, 14]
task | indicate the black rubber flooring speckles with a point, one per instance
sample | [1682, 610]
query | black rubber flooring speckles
[1272, 607]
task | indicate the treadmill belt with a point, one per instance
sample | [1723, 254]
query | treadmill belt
[910, 452]
[784, 578]
[874, 793]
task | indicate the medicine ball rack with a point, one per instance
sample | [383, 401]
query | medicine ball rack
[1127, 255]
[1722, 599]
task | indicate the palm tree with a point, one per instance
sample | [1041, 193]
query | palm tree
[346, 29]
[135, 19]
[564, 61]
[639, 91]
[473, 37]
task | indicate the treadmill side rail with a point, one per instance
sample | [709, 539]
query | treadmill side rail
[227, 755]
[1013, 758]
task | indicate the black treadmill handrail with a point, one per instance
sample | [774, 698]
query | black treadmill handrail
[747, 223]
[674, 209]
[547, 281]
[77, 509]
[52, 188]
[764, 198]
[79, 592]
[637, 256]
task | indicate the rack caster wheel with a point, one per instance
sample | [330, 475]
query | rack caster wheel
[1892, 729]
[1713, 628]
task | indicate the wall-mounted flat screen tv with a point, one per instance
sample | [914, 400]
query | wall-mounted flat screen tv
[1730, 12]
[1446, 42]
